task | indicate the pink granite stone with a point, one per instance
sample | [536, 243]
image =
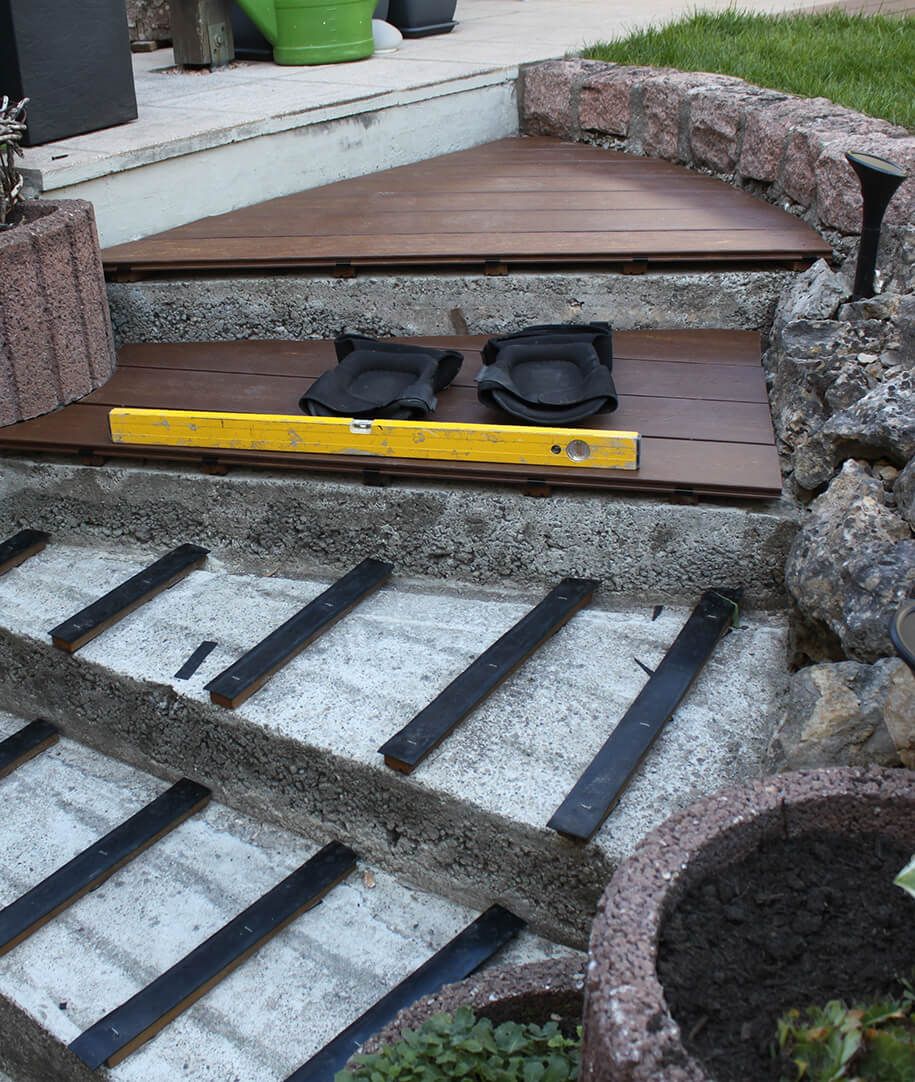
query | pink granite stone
[55, 339]
[766, 130]
[803, 150]
[604, 103]
[818, 123]
[715, 121]
[550, 96]
[839, 190]
[663, 103]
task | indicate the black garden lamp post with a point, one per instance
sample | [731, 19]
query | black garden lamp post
[902, 632]
[879, 181]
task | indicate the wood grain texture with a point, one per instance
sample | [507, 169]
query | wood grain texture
[697, 397]
[515, 201]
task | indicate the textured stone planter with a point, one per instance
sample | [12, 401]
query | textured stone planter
[55, 332]
[629, 1034]
[526, 993]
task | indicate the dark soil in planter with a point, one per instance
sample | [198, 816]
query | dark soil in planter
[29, 212]
[796, 923]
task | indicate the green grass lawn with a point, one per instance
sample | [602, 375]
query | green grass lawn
[864, 62]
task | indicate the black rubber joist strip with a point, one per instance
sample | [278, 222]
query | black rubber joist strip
[100, 861]
[253, 669]
[130, 595]
[469, 949]
[598, 790]
[141, 1017]
[428, 729]
[14, 550]
[25, 744]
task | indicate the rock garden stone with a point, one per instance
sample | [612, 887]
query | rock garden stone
[904, 492]
[149, 20]
[879, 422]
[837, 715]
[852, 563]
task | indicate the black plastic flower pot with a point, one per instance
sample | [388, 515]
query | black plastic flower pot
[420, 18]
[73, 62]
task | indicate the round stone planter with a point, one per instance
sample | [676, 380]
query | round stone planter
[534, 992]
[56, 343]
[629, 1033]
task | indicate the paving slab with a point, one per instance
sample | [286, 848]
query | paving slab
[264, 1019]
[470, 821]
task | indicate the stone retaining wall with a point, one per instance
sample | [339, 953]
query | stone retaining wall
[789, 150]
[841, 374]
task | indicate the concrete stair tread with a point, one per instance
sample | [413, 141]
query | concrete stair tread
[510, 762]
[270, 1014]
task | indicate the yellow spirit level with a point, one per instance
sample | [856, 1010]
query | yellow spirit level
[587, 448]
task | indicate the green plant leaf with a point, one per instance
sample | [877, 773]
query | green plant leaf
[906, 878]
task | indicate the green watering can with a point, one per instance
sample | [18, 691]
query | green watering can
[314, 31]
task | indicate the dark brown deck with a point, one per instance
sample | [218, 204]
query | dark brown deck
[516, 201]
[697, 397]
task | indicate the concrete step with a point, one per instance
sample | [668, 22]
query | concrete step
[261, 1021]
[470, 822]
[642, 548]
[200, 307]
[205, 143]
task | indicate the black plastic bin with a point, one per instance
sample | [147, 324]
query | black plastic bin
[72, 60]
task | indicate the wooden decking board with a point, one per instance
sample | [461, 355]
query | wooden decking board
[517, 200]
[697, 397]
[634, 378]
[410, 223]
[676, 416]
[668, 246]
[281, 357]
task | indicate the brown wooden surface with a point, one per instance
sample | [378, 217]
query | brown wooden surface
[697, 397]
[522, 200]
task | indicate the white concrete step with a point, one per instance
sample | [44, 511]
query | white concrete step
[470, 822]
[260, 1022]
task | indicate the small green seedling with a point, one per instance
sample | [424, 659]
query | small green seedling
[906, 878]
[473, 1050]
[873, 1042]
[870, 1042]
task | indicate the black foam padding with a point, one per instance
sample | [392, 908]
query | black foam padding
[553, 374]
[381, 379]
